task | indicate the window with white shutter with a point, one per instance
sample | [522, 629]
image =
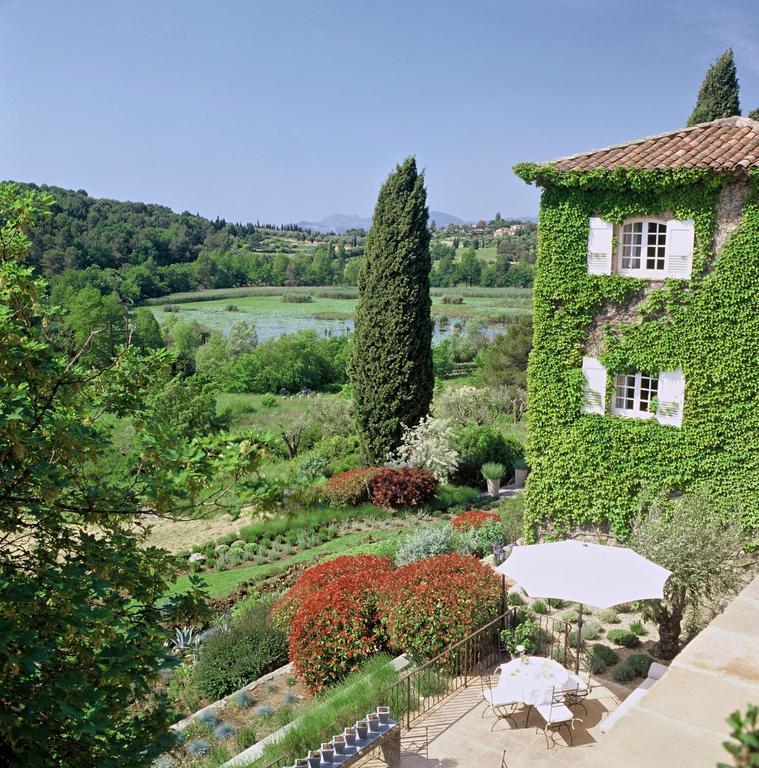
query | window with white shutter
[671, 398]
[680, 240]
[595, 386]
[600, 241]
[633, 395]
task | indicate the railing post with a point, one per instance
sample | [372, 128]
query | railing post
[408, 702]
[466, 661]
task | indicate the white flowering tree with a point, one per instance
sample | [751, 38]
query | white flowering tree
[430, 445]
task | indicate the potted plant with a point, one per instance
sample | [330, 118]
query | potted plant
[328, 751]
[521, 470]
[339, 743]
[350, 736]
[384, 715]
[362, 728]
[493, 472]
[373, 720]
[314, 758]
[301, 762]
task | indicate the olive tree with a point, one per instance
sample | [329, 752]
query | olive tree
[701, 544]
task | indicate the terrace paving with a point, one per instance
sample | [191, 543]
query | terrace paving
[459, 737]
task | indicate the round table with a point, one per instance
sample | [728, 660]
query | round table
[530, 682]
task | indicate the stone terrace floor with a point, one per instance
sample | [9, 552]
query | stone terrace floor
[459, 737]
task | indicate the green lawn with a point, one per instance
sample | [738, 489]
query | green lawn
[222, 583]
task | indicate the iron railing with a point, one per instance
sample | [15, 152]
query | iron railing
[426, 685]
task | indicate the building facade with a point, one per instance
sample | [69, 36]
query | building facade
[645, 365]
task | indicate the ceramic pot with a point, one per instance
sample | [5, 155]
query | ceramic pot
[339, 744]
[350, 737]
[384, 715]
[494, 487]
[328, 751]
[520, 475]
[362, 728]
[314, 759]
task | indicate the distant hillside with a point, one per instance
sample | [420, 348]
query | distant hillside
[342, 222]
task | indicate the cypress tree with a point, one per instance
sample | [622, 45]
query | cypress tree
[391, 364]
[718, 95]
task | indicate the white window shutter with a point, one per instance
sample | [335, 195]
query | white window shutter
[599, 246]
[595, 385]
[680, 239]
[671, 398]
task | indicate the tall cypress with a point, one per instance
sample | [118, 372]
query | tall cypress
[718, 95]
[391, 362]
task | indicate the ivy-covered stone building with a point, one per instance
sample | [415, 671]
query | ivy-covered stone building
[645, 364]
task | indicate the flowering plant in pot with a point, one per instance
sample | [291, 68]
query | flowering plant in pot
[492, 471]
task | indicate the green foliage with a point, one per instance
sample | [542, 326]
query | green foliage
[230, 659]
[539, 606]
[81, 642]
[146, 334]
[638, 628]
[186, 407]
[719, 93]
[503, 362]
[744, 731]
[639, 663]
[426, 541]
[491, 470]
[514, 598]
[570, 616]
[622, 674]
[587, 469]
[590, 631]
[391, 365]
[338, 706]
[481, 445]
[291, 363]
[526, 633]
[698, 538]
[603, 652]
[609, 616]
[623, 637]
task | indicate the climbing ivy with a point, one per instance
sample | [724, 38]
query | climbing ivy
[587, 469]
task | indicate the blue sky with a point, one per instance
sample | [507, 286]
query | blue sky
[295, 109]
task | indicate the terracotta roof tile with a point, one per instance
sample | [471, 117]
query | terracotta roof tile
[723, 145]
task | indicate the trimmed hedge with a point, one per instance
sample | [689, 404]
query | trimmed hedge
[349, 489]
[402, 487]
[358, 567]
[431, 604]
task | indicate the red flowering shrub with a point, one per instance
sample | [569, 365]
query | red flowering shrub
[402, 487]
[348, 489]
[365, 569]
[335, 630]
[429, 605]
[474, 518]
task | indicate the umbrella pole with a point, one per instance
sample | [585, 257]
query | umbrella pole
[579, 641]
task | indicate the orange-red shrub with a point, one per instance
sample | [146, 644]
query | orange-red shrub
[429, 605]
[348, 489]
[364, 569]
[335, 630]
[474, 518]
[402, 487]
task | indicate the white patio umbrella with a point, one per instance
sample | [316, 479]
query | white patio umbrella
[588, 574]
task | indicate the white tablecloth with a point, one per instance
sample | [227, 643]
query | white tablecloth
[531, 683]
